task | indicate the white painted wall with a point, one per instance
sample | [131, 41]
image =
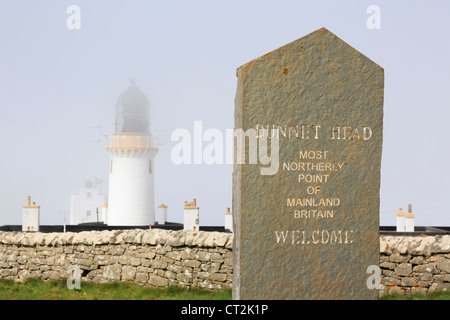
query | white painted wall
[229, 221]
[409, 224]
[84, 205]
[191, 219]
[400, 223]
[161, 214]
[131, 188]
[30, 219]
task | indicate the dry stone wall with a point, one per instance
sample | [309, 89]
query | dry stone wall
[147, 257]
[194, 259]
[415, 264]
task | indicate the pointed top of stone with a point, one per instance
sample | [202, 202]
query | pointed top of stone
[314, 43]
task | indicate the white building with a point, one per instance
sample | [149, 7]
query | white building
[85, 204]
[228, 220]
[191, 216]
[131, 150]
[409, 220]
[30, 216]
[162, 214]
[400, 220]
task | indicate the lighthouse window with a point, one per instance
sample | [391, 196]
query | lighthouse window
[149, 166]
[110, 168]
[88, 213]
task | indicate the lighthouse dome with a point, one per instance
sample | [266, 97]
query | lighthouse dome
[132, 111]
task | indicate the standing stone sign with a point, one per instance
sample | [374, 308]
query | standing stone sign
[306, 178]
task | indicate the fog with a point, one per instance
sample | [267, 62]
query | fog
[59, 89]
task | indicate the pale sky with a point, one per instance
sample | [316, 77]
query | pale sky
[58, 84]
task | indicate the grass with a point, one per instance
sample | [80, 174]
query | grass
[436, 295]
[35, 289]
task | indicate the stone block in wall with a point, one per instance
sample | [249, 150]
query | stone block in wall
[4, 273]
[24, 275]
[45, 267]
[424, 268]
[227, 263]
[116, 250]
[220, 277]
[174, 268]
[387, 265]
[175, 255]
[145, 262]
[399, 258]
[425, 276]
[95, 275]
[11, 258]
[124, 259]
[391, 281]
[128, 273]
[215, 267]
[60, 259]
[35, 274]
[388, 273]
[408, 282]
[22, 259]
[439, 286]
[157, 281]
[166, 259]
[441, 278]
[396, 290]
[158, 264]
[134, 236]
[185, 277]
[83, 262]
[191, 263]
[443, 264]
[216, 257]
[68, 250]
[170, 275]
[51, 275]
[417, 260]
[112, 272]
[162, 250]
[419, 290]
[403, 269]
[203, 256]
[175, 239]
[423, 284]
[142, 277]
[101, 260]
[135, 261]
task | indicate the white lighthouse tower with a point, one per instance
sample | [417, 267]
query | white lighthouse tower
[131, 149]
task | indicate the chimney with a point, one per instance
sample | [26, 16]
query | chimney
[409, 220]
[400, 220]
[30, 216]
[228, 220]
[161, 217]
